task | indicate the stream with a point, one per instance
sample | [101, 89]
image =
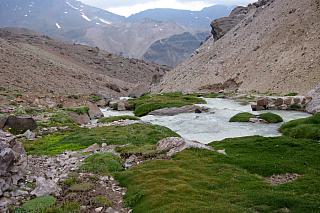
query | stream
[214, 125]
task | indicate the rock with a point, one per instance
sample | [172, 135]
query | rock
[111, 210]
[79, 119]
[7, 159]
[139, 91]
[98, 209]
[176, 111]
[45, 187]
[3, 120]
[223, 151]
[29, 135]
[313, 101]
[94, 111]
[262, 102]
[279, 102]
[257, 121]
[20, 124]
[93, 148]
[131, 161]
[173, 145]
[223, 25]
[102, 103]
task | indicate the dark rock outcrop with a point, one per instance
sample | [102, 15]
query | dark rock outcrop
[18, 124]
[94, 111]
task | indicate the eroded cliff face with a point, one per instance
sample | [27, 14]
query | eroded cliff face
[274, 47]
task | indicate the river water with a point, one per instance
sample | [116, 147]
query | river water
[215, 125]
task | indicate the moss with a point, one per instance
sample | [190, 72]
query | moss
[39, 204]
[59, 118]
[117, 118]
[135, 134]
[271, 117]
[102, 201]
[292, 94]
[242, 117]
[295, 107]
[308, 128]
[67, 207]
[134, 149]
[102, 163]
[81, 187]
[148, 103]
[95, 98]
[205, 181]
[79, 110]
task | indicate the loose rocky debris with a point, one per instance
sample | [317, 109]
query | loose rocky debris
[281, 103]
[282, 179]
[173, 145]
[314, 106]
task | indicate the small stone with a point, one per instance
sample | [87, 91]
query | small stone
[93, 148]
[98, 209]
[111, 210]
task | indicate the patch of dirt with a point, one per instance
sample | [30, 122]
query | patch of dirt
[282, 179]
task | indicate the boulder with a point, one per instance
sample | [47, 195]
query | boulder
[102, 103]
[29, 135]
[313, 101]
[3, 120]
[173, 145]
[79, 119]
[131, 161]
[138, 91]
[93, 148]
[20, 124]
[262, 102]
[279, 102]
[179, 110]
[45, 187]
[94, 111]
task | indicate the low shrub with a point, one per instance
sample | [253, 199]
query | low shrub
[271, 117]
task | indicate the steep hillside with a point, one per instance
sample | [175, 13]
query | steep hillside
[276, 47]
[32, 62]
[175, 49]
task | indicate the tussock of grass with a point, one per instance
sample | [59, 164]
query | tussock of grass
[102, 164]
[81, 187]
[148, 103]
[292, 94]
[308, 128]
[102, 201]
[39, 204]
[136, 134]
[242, 117]
[59, 118]
[117, 118]
[79, 110]
[271, 117]
[203, 181]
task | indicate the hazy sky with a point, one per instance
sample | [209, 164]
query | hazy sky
[128, 7]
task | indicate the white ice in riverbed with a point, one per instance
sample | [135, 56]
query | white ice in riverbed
[68, 3]
[58, 26]
[215, 125]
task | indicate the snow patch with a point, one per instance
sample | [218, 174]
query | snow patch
[105, 21]
[73, 7]
[58, 26]
[65, 12]
[85, 17]
[26, 15]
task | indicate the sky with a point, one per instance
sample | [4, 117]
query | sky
[129, 7]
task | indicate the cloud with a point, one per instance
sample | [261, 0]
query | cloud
[129, 7]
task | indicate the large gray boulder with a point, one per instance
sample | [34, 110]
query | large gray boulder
[314, 106]
[173, 145]
[94, 111]
[19, 124]
[45, 187]
[79, 119]
[178, 110]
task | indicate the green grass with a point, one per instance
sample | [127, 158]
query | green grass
[117, 118]
[137, 149]
[246, 116]
[308, 128]
[148, 103]
[67, 207]
[102, 201]
[95, 98]
[59, 118]
[271, 117]
[135, 134]
[295, 107]
[292, 94]
[40, 204]
[204, 181]
[242, 117]
[79, 110]
[102, 164]
[81, 187]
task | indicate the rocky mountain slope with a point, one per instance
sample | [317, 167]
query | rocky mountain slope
[175, 49]
[275, 48]
[32, 62]
[71, 20]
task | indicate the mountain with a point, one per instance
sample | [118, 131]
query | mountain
[274, 48]
[189, 20]
[35, 63]
[175, 49]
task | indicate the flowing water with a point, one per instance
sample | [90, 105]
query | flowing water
[215, 125]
